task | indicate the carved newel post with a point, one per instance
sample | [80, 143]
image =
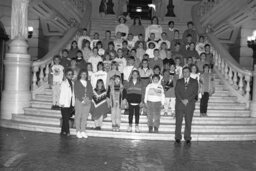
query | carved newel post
[170, 9]
[253, 103]
[17, 94]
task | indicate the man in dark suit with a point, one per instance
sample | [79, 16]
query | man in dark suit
[186, 91]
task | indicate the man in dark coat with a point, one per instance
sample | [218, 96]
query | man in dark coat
[186, 91]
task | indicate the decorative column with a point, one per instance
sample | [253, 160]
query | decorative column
[253, 103]
[170, 9]
[17, 94]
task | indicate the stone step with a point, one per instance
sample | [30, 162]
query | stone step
[245, 136]
[215, 105]
[206, 128]
[164, 119]
[211, 113]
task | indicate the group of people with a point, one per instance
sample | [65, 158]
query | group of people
[147, 71]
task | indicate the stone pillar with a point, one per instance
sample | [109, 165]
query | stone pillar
[17, 94]
[253, 103]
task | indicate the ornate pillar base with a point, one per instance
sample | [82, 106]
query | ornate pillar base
[16, 94]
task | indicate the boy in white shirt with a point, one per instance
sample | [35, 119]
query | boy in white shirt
[57, 72]
[129, 68]
[95, 59]
[154, 100]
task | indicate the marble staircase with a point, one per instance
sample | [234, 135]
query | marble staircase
[227, 120]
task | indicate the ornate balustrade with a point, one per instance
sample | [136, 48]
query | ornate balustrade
[236, 78]
[41, 68]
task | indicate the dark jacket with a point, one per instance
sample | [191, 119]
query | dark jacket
[133, 92]
[190, 93]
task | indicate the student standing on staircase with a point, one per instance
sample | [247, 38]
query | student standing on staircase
[83, 96]
[134, 98]
[57, 72]
[122, 27]
[186, 91]
[66, 101]
[207, 88]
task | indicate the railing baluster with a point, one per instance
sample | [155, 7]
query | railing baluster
[241, 85]
[235, 80]
[34, 79]
[41, 75]
[230, 76]
[248, 88]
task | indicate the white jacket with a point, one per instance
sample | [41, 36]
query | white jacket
[66, 94]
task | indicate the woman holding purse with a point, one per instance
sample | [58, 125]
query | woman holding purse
[83, 94]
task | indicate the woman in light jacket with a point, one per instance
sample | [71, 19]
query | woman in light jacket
[67, 101]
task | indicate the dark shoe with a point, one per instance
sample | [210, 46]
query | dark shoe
[53, 107]
[188, 142]
[155, 130]
[150, 129]
[68, 134]
[177, 141]
[98, 128]
[62, 133]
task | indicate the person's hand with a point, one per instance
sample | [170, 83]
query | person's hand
[185, 102]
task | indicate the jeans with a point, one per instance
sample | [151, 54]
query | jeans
[204, 102]
[116, 114]
[154, 109]
[134, 109]
[82, 112]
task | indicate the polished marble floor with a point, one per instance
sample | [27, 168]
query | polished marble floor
[25, 151]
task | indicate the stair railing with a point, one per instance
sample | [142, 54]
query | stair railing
[41, 67]
[236, 78]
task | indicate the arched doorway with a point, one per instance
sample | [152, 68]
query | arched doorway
[3, 40]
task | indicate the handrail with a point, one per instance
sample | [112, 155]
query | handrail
[236, 78]
[41, 67]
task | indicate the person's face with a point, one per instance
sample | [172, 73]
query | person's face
[69, 75]
[99, 46]
[117, 80]
[79, 54]
[177, 47]
[166, 66]
[110, 46]
[121, 20]
[176, 34]
[169, 54]
[118, 35]
[131, 62]
[73, 63]
[190, 26]
[186, 73]
[164, 36]
[156, 71]
[190, 61]
[125, 45]
[192, 46]
[95, 52]
[89, 67]
[154, 21]
[120, 53]
[189, 38]
[152, 36]
[177, 61]
[74, 45]
[193, 69]
[207, 49]
[65, 54]
[107, 57]
[141, 38]
[133, 53]
[171, 25]
[83, 75]
[203, 57]
[100, 67]
[87, 44]
[84, 32]
[114, 67]
[107, 34]
[156, 53]
[145, 64]
[100, 85]
[155, 80]
[206, 69]
[130, 37]
[201, 40]
[135, 75]
[57, 61]
[163, 46]
[96, 36]
[151, 46]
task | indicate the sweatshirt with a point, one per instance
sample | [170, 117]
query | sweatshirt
[154, 93]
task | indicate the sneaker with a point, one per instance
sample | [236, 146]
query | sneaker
[201, 114]
[150, 129]
[78, 135]
[137, 129]
[53, 107]
[129, 129]
[84, 135]
[117, 129]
